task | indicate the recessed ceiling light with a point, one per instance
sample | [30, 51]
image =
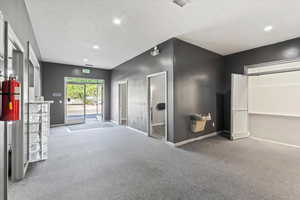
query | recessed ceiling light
[96, 47]
[117, 21]
[85, 60]
[268, 28]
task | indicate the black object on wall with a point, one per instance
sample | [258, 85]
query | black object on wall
[235, 63]
[53, 75]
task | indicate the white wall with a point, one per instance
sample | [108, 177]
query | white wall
[275, 93]
[276, 128]
[274, 107]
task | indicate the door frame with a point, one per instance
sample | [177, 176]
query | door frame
[103, 96]
[66, 101]
[273, 67]
[19, 165]
[149, 128]
[65, 94]
[233, 110]
[119, 102]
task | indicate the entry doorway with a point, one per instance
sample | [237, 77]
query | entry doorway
[157, 105]
[84, 100]
[123, 103]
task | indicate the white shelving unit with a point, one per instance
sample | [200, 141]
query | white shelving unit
[38, 128]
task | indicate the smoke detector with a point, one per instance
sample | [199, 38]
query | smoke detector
[181, 3]
[155, 51]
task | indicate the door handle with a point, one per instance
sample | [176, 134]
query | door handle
[151, 114]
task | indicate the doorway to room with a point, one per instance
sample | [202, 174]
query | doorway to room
[84, 100]
[157, 105]
[123, 103]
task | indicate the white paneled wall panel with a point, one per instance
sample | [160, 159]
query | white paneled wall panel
[275, 94]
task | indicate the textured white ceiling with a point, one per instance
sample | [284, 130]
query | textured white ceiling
[66, 30]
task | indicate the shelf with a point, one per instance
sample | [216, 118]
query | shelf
[41, 102]
[37, 113]
[33, 123]
[40, 124]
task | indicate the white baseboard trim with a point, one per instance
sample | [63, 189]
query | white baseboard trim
[136, 130]
[56, 125]
[113, 121]
[170, 143]
[237, 136]
[178, 144]
[158, 124]
[274, 142]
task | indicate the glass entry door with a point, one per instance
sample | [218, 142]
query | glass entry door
[75, 97]
[84, 100]
[100, 102]
[91, 103]
[94, 101]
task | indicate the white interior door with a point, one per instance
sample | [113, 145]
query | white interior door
[123, 103]
[239, 106]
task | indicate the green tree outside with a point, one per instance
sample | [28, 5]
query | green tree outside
[91, 86]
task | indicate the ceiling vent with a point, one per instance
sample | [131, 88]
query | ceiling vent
[181, 3]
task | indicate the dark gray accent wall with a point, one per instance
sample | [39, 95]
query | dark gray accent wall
[235, 64]
[195, 85]
[53, 75]
[135, 71]
[198, 88]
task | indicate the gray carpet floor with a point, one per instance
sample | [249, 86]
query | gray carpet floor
[158, 132]
[91, 125]
[120, 164]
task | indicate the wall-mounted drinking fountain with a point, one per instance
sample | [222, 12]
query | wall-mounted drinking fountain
[198, 122]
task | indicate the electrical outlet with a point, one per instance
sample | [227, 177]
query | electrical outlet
[213, 124]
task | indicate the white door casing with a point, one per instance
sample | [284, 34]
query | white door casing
[239, 106]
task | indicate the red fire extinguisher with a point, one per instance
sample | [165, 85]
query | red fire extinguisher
[10, 100]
